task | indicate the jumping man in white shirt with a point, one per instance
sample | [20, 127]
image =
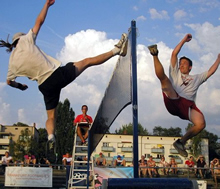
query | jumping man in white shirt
[28, 60]
[179, 90]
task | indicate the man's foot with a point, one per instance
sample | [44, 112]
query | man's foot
[84, 143]
[123, 44]
[178, 145]
[153, 50]
[51, 151]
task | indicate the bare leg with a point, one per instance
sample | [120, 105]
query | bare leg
[164, 80]
[199, 124]
[93, 61]
[51, 121]
[86, 135]
[79, 133]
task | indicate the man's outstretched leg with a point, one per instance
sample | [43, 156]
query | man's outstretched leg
[51, 143]
[166, 85]
[120, 49]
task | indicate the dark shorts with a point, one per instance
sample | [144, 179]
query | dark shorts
[179, 107]
[52, 86]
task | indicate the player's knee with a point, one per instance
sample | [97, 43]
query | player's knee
[202, 125]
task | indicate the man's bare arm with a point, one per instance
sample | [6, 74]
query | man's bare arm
[177, 49]
[41, 17]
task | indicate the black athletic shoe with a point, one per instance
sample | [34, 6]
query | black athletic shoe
[153, 50]
[51, 151]
[180, 148]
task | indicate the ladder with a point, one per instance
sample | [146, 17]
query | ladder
[78, 170]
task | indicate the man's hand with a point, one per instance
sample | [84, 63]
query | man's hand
[188, 37]
[50, 2]
[23, 87]
[17, 85]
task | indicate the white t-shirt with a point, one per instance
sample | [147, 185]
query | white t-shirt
[6, 159]
[29, 61]
[186, 85]
[68, 159]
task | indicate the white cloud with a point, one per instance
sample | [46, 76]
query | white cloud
[180, 14]
[141, 18]
[162, 15]
[135, 8]
[22, 116]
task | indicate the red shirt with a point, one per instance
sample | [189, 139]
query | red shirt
[190, 163]
[82, 118]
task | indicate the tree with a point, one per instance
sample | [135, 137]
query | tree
[128, 129]
[25, 144]
[159, 131]
[64, 129]
[42, 141]
[20, 124]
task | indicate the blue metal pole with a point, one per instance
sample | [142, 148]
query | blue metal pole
[134, 97]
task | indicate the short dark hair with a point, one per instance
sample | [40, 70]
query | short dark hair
[186, 58]
[85, 106]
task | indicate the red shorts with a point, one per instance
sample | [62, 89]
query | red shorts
[179, 107]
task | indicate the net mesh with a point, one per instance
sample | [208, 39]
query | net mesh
[117, 96]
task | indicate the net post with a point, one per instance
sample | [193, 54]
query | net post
[134, 98]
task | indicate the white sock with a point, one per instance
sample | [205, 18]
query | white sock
[51, 137]
[116, 50]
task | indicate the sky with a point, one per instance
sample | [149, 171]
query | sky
[76, 29]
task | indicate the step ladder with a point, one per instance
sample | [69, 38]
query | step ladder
[78, 170]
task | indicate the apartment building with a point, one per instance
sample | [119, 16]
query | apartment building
[112, 145]
[11, 133]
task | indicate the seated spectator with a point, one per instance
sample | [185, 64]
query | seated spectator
[216, 171]
[163, 166]
[119, 161]
[44, 162]
[82, 132]
[67, 159]
[101, 161]
[151, 167]
[29, 159]
[173, 165]
[212, 165]
[6, 160]
[201, 165]
[142, 166]
[190, 164]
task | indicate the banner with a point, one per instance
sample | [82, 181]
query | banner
[105, 173]
[28, 176]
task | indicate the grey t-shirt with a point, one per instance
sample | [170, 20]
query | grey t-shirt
[186, 85]
[30, 61]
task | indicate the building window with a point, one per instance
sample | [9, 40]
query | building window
[106, 144]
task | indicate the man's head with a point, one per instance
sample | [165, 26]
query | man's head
[84, 109]
[185, 65]
[67, 155]
[17, 36]
[118, 157]
[6, 153]
[100, 154]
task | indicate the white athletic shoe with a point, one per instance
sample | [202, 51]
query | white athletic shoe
[153, 50]
[123, 44]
